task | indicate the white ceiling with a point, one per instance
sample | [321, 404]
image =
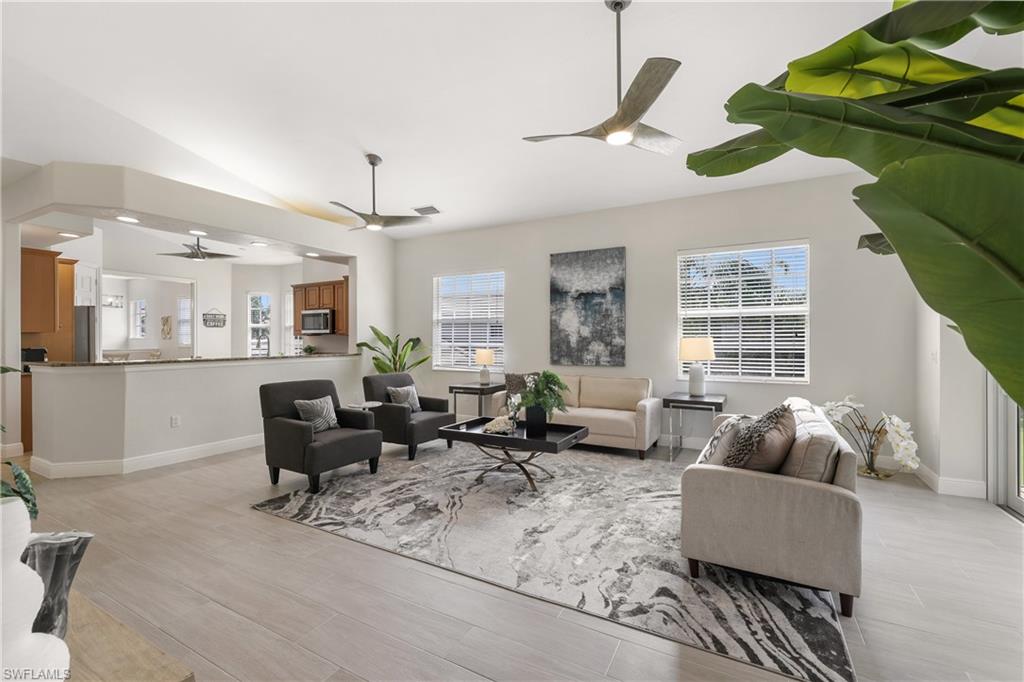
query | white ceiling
[280, 102]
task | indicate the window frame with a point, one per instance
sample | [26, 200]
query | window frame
[683, 375]
[249, 326]
[137, 330]
[434, 332]
[191, 321]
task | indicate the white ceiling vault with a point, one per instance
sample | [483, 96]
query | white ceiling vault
[279, 102]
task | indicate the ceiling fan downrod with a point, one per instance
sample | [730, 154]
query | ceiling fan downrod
[617, 6]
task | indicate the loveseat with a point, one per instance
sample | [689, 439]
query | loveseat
[801, 524]
[618, 412]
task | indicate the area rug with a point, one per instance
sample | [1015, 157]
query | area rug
[602, 536]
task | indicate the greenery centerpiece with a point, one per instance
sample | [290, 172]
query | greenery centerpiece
[869, 439]
[543, 395]
[392, 355]
[945, 140]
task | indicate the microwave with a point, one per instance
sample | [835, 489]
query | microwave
[317, 322]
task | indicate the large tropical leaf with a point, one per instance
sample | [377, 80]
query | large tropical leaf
[937, 23]
[870, 135]
[859, 66]
[956, 223]
[736, 155]
[385, 340]
[382, 366]
[876, 243]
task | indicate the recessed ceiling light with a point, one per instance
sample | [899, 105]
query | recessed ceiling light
[258, 244]
[312, 254]
[69, 235]
[198, 233]
[127, 219]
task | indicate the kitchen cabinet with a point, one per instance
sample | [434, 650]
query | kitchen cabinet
[39, 291]
[326, 296]
[341, 307]
[322, 296]
[298, 301]
[60, 344]
[312, 298]
[26, 412]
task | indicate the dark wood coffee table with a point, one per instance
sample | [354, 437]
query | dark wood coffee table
[502, 448]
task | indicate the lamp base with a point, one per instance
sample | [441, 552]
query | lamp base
[485, 376]
[696, 379]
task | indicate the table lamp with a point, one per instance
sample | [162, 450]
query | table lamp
[484, 357]
[696, 349]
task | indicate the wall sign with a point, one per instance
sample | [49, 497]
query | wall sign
[214, 318]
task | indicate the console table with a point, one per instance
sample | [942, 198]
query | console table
[473, 388]
[712, 402]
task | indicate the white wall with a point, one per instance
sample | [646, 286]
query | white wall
[862, 323]
[10, 338]
[126, 250]
[161, 299]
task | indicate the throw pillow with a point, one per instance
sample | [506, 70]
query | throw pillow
[319, 413]
[717, 448]
[763, 444]
[815, 451]
[405, 395]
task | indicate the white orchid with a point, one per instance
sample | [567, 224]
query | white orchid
[846, 415]
[837, 409]
[901, 438]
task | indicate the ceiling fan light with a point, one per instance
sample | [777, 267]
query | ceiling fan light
[619, 137]
[374, 227]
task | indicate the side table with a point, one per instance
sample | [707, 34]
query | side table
[712, 402]
[473, 388]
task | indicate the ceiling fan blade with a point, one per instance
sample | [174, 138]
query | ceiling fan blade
[211, 254]
[361, 216]
[403, 220]
[647, 85]
[353, 229]
[597, 132]
[653, 140]
[177, 255]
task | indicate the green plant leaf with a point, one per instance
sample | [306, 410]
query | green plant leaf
[382, 366]
[938, 24]
[870, 135]
[993, 100]
[876, 243]
[859, 66]
[965, 257]
[369, 346]
[381, 336]
[23, 489]
[736, 155]
[419, 362]
[4, 369]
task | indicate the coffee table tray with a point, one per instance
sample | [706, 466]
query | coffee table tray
[559, 437]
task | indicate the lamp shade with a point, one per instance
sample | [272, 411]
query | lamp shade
[484, 356]
[696, 348]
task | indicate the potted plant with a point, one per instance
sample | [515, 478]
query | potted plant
[868, 439]
[543, 395]
[394, 356]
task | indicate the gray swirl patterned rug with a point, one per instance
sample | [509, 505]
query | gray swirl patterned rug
[602, 537]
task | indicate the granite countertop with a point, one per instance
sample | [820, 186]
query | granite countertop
[189, 361]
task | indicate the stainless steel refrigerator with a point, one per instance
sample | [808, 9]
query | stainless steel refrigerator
[85, 333]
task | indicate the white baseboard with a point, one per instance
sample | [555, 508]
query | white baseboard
[9, 450]
[113, 467]
[959, 487]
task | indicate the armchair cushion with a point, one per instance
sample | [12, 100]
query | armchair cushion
[337, 447]
[423, 425]
[405, 395]
[319, 412]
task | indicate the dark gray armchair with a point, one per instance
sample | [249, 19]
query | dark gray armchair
[398, 422]
[291, 444]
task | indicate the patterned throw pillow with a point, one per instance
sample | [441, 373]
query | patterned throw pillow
[319, 413]
[717, 448]
[764, 444]
[405, 395]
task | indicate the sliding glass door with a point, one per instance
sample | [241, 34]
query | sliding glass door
[1015, 494]
[1006, 449]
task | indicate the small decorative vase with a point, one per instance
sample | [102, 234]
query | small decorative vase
[536, 422]
[55, 557]
[871, 472]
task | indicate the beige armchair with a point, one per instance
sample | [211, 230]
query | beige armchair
[803, 531]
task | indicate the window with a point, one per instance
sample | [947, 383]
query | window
[138, 319]
[185, 321]
[259, 325]
[753, 303]
[469, 313]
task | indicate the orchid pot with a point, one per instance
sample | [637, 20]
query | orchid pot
[869, 439]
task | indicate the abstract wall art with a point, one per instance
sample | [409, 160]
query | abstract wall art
[588, 308]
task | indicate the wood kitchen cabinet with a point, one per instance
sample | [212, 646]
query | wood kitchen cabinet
[39, 291]
[322, 296]
[26, 412]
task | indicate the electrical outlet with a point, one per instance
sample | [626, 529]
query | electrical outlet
[175, 421]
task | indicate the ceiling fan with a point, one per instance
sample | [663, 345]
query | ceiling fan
[624, 126]
[197, 252]
[373, 221]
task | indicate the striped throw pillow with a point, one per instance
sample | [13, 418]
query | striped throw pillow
[319, 413]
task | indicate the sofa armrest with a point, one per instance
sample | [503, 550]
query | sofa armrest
[648, 422]
[780, 526]
[496, 404]
[391, 419]
[434, 404]
[285, 441]
[354, 419]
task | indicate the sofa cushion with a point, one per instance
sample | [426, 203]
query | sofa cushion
[613, 393]
[319, 412]
[815, 448]
[763, 444]
[572, 394]
[716, 449]
[599, 421]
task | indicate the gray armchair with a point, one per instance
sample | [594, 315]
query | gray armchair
[291, 444]
[398, 422]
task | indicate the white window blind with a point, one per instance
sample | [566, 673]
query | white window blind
[259, 325]
[184, 321]
[138, 313]
[469, 313]
[754, 303]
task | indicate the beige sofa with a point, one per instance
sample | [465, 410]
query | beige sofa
[619, 412]
[800, 530]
